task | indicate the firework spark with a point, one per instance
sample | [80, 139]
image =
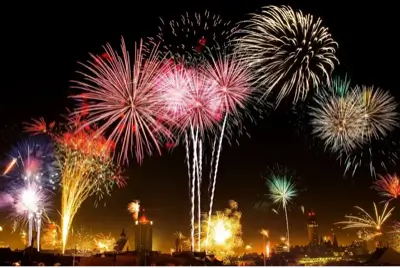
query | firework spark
[34, 160]
[38, 126]
[282, 190]
[86, 169]
[366, 221]
[388, 186]
[134, 208]
[195, 34]
[105, 243]
[380, 116]
[30, 206]
[394, 237]
[120, 97]
[338, 117]
[288, 50]
[225, 233]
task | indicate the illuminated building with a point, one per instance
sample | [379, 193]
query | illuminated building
[312, 228]
[143, 234]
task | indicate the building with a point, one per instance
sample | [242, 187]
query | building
[143, 234]
[312, 228]
[123, 244]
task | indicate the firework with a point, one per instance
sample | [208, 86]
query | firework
[388, 186]
[380, 116]
[366, 221]
[191, 101]
[233, 88]
[51, 236]
[38, 126]
[394, 237]
[282, 190]
[105, 243]
[86, 169]
[225, 233]
[119, 95]
[33, 160]
[134, 208]
[338, 117]
[195, 34]
[288, 50]
[376, 156]
[30, 205]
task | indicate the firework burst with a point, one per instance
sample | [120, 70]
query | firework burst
[394, 237]
[86, 169]
[31, 203]
[233, 89]
[34, 160]
[194, 35]
[282, 190]
[380, 116]
[366, 221]
[288, 50]
[388, 186]
[225, 233]
[337, 117]
[134, 208]
[119, 95]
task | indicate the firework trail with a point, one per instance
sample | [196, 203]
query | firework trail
[190, 99]
[134, 208]
[388, 186]
[282, 190]
[394, 237]
[366, 221]
[120, 96]
[287, 50]
[86, 169]
[192, 37]
[233, 88]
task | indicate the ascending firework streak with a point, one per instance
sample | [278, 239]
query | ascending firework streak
[191, 101]
[233, 88]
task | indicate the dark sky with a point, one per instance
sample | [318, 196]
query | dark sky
[41, 45]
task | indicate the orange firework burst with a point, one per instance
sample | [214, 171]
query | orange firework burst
[388, 186]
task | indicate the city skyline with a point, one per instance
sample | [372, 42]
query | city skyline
[42, 58]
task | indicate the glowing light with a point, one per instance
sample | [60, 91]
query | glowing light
[134, 208]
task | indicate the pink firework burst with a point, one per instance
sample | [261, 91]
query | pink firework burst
[120, 97]
[388, 186]
[190, 98]
[232, 81]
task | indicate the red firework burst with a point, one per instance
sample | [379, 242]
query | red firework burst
[388, 186]
[123, 101]
[38, 126]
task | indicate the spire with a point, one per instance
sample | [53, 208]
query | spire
[123, 235]
[335, 242]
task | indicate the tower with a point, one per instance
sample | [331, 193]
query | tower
[143, 234]
[312, 228]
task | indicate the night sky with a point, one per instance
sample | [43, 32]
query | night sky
[41, 46]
